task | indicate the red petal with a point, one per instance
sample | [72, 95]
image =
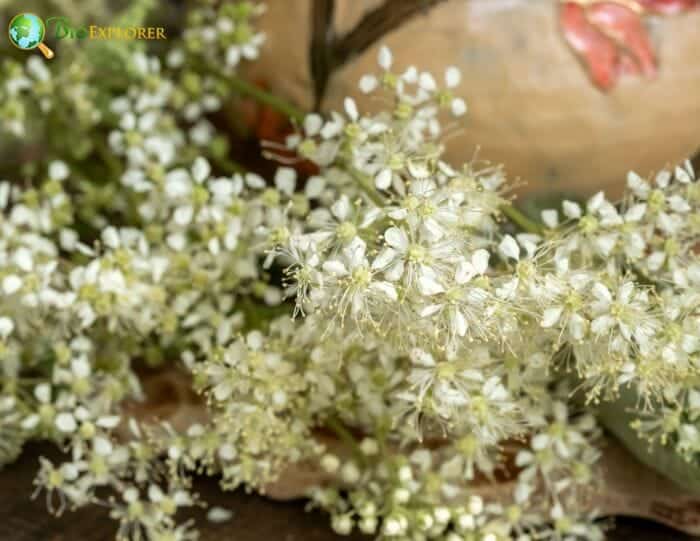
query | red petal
[627, 29]
[597, 52]
[668, 7]
[628, 65]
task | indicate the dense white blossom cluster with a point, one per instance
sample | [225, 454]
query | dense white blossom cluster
[441, 345]
[479, 323]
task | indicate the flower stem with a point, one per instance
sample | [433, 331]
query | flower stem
[345, 436]
[262, 96]
[519, 219]
[368, 187]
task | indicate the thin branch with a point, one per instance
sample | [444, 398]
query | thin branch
[322, 45]
[328, 52]
[376, 24]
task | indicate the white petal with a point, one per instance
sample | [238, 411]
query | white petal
[396, 238]
[200, 169]
[540, 442]
[254, 181]
[285, 180]
[109, 422]
[571, 210]
[335, 267]
[429, 310]
[368, 83]
[42, 392]
[602, 292]
[384, 58]
[65, 422]
[23, 259]
[422, 358]
[635, 213]
[355, 252]
[428, 285]
[58, 170]
[102, 446]
[314, 186]
[625, 293]
[550, 217]
[596, 202]
[233, 56]
[606, 243]
[183, 215]
[452, 77]
[458, 107]
[351, 109]
[222, 391]
[656, 260]
[219, 515]
[636, 183]
[465, 272]
[551, 316]
[341, 208]
[383, 180]
[6, 326]
[385, 257]
[480, 260]
[395, 272]
[427, 82]
[682, 176]
[11, 284]
[312, 124]
[110, 237]
[602, 324]
[509, 247]
[459, 322]
[386, 288]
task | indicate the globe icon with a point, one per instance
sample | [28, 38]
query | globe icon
[27, 32]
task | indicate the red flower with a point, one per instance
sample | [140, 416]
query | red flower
[610, 38]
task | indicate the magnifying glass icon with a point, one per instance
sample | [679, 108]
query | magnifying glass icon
[27, 32]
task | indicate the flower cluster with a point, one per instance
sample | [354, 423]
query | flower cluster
[481, 323]
[439, 344]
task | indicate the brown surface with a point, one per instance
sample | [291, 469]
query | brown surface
[255, 518]
[531, 103]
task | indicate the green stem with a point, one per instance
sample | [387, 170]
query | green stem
[522, 221]
[345, 436]
[229, 166]
[368, 188]
[262, 96]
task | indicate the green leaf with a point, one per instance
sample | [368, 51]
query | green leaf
[617, 417]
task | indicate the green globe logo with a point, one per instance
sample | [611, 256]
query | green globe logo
[27, 32]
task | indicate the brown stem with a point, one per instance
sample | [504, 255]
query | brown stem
[378, 23]
[321, 46]
[329, 52]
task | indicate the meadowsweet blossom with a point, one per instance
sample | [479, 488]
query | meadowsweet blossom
[382, 298]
